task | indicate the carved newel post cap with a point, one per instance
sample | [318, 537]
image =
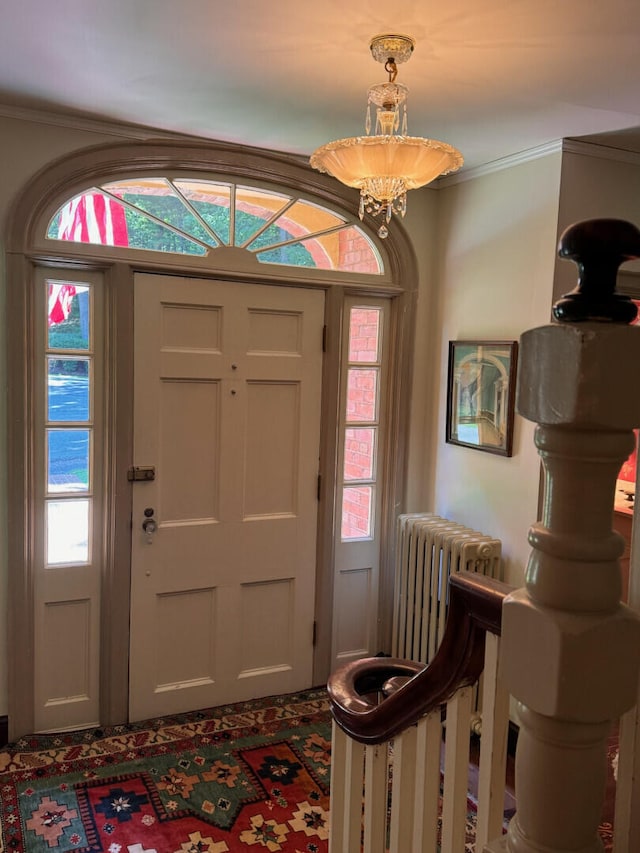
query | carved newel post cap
[598, 247]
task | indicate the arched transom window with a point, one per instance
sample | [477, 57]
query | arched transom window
[196, 217]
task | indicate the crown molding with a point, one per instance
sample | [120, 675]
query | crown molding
[603, 152]
[507, 162]
[130, 132]
[122, 130]
[77, 122]
[568, 145]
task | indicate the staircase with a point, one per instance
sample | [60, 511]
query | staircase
[389, 719]
[570, 650]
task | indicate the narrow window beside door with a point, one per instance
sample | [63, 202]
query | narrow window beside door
[69, 468]
[362, 423]
[69, 423]
[361, 461]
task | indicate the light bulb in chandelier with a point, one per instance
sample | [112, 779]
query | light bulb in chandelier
[386, 164]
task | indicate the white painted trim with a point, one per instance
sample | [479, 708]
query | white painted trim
[571, 146]
[122, 130]
[143, 132]
[77, 122]
[503, 163]
[602, 152]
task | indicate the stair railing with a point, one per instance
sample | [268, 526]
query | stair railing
[390, 789]
[571, 649]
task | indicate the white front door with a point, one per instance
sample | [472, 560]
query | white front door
[227, 383]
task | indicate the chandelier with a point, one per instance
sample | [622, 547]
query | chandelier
[383, 166]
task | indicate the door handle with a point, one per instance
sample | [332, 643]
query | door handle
[149, 525]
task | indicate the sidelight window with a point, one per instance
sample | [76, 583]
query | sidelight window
[69, 422]
[362, 422]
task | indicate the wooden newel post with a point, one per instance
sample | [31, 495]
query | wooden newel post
[571, 651]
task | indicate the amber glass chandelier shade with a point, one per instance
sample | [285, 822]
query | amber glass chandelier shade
[385, 166]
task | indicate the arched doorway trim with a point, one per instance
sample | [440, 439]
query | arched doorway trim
[74, 173]
[27, 249]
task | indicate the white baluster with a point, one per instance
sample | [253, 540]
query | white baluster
[427, 792]
[456, 771]
[347, 773]
[402, 790]
[493, 748]
[376, 789]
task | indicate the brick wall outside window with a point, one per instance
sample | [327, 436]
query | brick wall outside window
[361, 409]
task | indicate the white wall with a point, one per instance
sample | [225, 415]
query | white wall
[497, 239]
[421, 224]
[595, 187]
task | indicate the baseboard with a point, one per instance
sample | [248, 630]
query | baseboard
[4, 730]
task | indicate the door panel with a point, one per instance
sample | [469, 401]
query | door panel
[227, 409]
[190, 477]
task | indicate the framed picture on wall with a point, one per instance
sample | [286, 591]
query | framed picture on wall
[480, 395]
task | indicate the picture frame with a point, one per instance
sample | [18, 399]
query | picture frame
[481, 384]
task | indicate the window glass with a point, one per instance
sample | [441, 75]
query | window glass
[362, 394]
[293, 254]
[68, 428]
[360, 424]
[255, 209]
[364, 335]
[299, 220]
[67, 389]
[97, 219]
[90, 217]
[159, 198]
[346, 249]
[68, 460]
[193, 217]
[359, 453]
[356, 512]
[67, 532]
[145, 233]
[68, 316]
[212, 201]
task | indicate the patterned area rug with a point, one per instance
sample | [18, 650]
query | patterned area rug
[248, 777]
[243, 778]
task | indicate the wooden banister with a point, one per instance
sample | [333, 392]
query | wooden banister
[475, 607]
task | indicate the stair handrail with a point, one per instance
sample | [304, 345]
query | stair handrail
[409, 689]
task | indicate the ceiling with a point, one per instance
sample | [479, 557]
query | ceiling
[491, 77]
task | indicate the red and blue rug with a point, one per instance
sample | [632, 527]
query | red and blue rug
[243, 778]
[248, 777]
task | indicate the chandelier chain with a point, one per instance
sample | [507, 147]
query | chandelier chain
[392, 69]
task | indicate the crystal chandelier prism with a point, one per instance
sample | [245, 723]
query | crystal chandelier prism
[387, 163]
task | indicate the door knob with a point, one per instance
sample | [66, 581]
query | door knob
[149, 526]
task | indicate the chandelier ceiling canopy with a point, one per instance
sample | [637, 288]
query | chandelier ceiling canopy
[387, 163]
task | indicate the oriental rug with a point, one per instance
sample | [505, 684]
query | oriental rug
[249, 777]
[243, 778]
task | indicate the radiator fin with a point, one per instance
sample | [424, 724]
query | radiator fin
[428, 549]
